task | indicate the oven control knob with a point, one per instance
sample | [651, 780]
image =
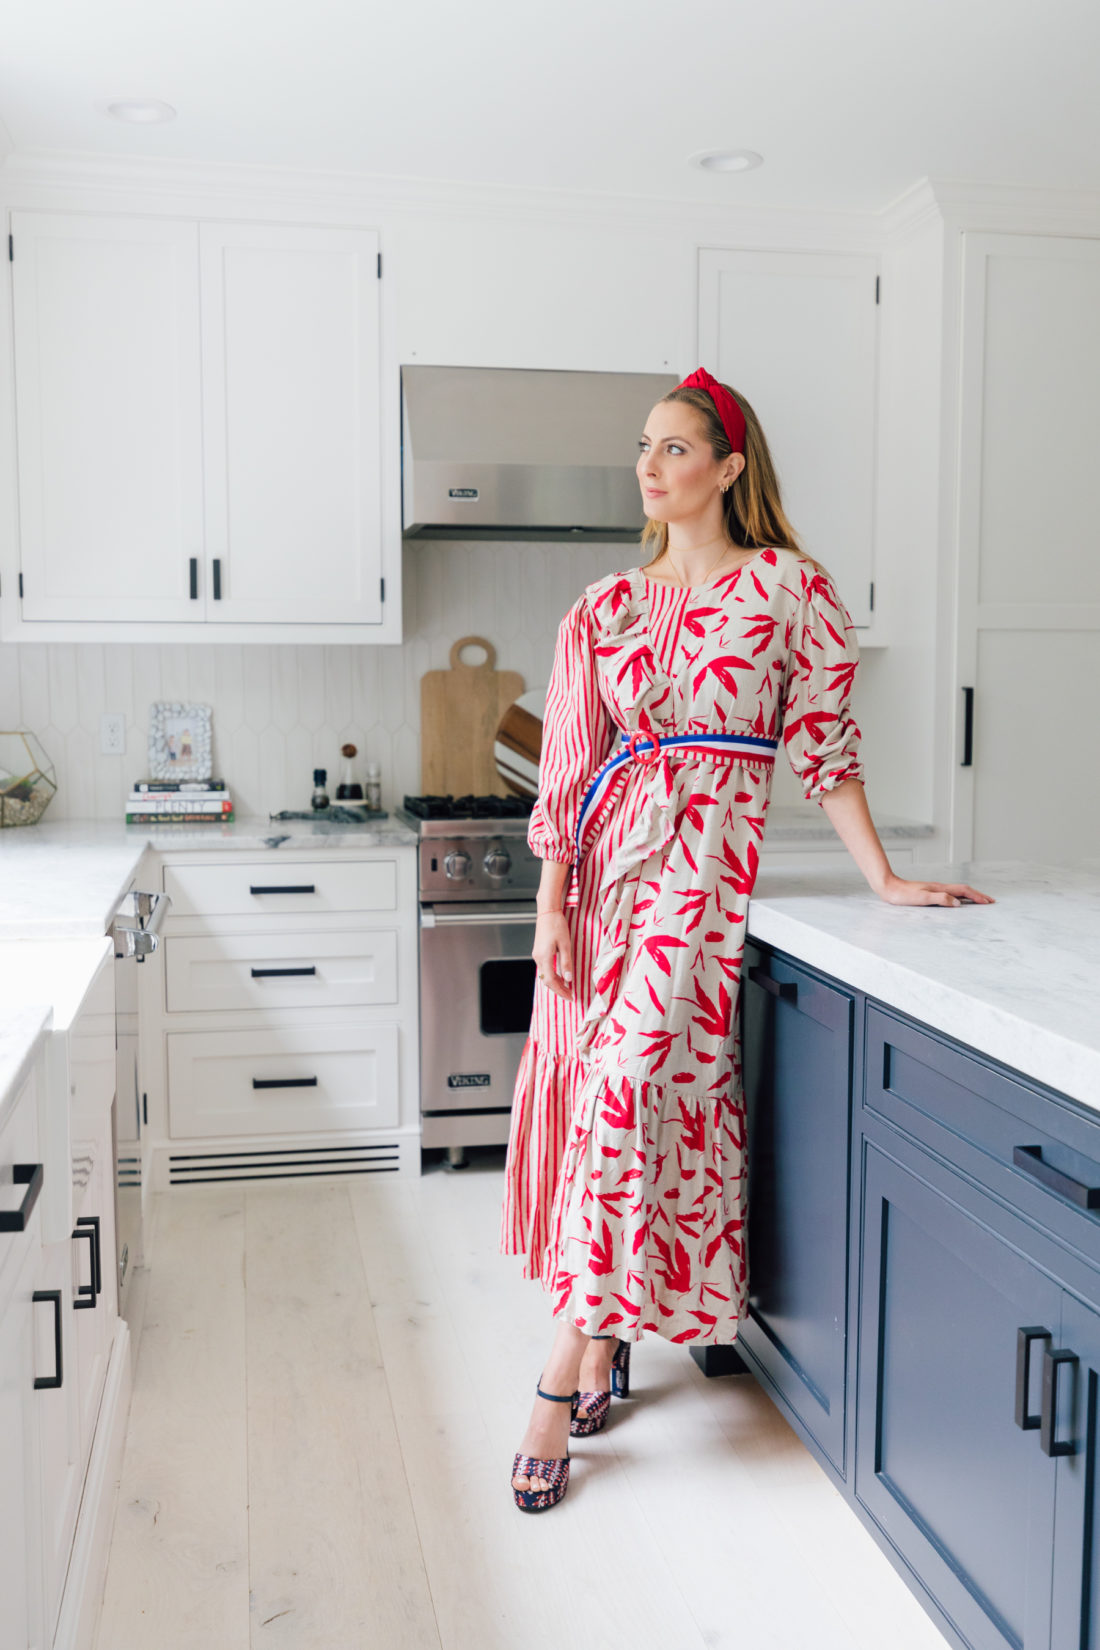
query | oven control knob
[457, 865]
[497, 862]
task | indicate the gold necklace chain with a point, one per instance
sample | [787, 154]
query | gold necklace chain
[710, 570]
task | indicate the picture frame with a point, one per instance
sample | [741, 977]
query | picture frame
[181, 740]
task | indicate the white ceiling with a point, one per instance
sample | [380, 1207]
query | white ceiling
[849, 101]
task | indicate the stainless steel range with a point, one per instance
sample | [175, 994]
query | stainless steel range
[477, 924]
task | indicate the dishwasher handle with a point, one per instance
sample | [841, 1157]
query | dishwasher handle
[137, 925]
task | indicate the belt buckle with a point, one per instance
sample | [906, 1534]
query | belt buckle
[646, 757]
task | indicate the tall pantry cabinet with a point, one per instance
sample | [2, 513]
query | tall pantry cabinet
[198, 428]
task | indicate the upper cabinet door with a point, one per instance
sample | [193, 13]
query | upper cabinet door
[291, 424]
[108, 419]
[797, 333]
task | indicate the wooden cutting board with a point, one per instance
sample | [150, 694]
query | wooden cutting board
[460, 711]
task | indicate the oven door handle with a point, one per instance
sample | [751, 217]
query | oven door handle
[475, 919]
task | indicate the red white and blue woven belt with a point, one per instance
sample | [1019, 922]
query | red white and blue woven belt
[647, 749]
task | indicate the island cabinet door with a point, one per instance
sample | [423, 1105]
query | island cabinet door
[1073, 1401]
[948, 1457]
[797, 1041]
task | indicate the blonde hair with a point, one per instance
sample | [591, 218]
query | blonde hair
[753, 514]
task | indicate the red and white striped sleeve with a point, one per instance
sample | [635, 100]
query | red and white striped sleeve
[576, 738]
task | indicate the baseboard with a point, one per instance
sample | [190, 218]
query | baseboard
[82, 1599]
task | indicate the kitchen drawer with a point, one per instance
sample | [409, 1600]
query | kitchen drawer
[278, 888]
[290, 1079]
[19, 1143]
[281, 971]
[979, 1116]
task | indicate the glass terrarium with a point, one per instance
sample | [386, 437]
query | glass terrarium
[27, 779]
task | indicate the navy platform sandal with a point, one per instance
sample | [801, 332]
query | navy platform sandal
[556, 1472]
[582, 1426]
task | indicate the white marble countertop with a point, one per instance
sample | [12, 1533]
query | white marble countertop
[64, 880]
[1018, 980]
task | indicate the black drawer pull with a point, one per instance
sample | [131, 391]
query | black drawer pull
[1030, 1160]
[1024, 1338]
[92, 1221]
[285, 888]
[280, 973]
[56, 1378]
[84, 1299]
[194, 578]
[284, 1082]
[22, 1174]
[786, 989]
[1052, 1363]
[217, 579]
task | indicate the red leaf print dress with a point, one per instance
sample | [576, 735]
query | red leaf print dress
[626, 1174]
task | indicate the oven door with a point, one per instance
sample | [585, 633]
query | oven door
[477, 981]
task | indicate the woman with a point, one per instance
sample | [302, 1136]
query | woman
[673, 685]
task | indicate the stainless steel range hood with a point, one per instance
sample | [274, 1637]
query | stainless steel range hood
[499, 452]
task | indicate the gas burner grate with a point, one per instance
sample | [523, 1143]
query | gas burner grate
[469, 807]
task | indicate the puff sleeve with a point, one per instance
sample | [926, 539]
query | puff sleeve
[820, 735]
[576, 738]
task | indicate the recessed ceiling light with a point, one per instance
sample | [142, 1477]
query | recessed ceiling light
[727, 160]
[141, 111]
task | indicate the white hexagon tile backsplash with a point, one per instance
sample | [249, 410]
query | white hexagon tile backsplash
[282, 710]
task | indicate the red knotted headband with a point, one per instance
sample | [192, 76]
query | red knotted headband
[733, 419]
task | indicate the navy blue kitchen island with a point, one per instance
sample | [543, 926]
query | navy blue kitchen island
[924, 1243]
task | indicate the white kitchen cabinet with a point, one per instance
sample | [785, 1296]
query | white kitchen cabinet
[108, 416]
[21, 1559]
[272, 971]
[291, 424]
[293, 1078]
[797, 333]
[1028, 637]
[284, 996]
[198, 427]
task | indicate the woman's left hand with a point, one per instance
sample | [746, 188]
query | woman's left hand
[899, 891]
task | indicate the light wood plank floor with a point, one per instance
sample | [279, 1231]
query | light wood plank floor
[330, 1384]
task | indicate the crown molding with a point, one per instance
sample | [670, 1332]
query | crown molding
[223, 188]
[1016, 208]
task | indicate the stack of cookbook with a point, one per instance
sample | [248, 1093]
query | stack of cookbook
[179, 802]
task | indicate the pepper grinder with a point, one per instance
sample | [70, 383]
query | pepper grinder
[319, 799]
[349, 788]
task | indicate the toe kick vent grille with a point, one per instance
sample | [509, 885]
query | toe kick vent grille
[282, 1163]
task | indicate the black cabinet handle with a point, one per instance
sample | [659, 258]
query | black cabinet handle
[1024, 1338]
[1048, 1420]
[22, 1174]
[194, 578]
[968, 727]
[1030, 1160]
[286, 888]
[92, 1221]
[85, 1298]
[284, 1082]
[786, 989]
[56, 1378]
[217, 579]
[280, 973]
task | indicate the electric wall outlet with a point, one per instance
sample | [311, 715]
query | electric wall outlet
[112, 734]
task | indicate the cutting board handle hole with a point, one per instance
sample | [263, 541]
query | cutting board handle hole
[475, 653]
